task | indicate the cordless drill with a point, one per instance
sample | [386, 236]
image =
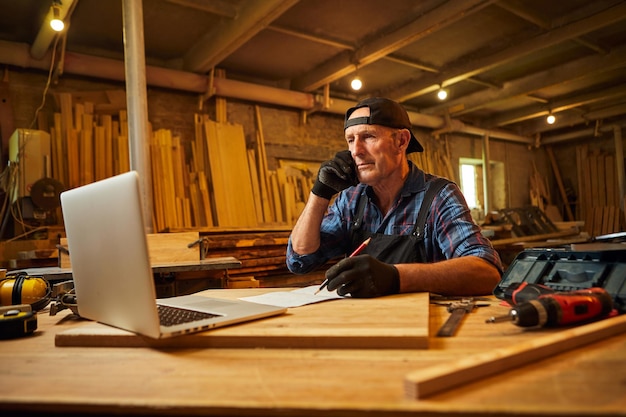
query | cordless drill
[541, 307]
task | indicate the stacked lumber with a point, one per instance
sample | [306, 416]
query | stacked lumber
[280, 194]
[262, 253]
[434, 160]
[598, 197]
[262, 256]
[170, 182]
[224, 183]
[218, 183]
[85, 146]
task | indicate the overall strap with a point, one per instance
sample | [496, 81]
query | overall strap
[420, 223]
[357, 221]
[433, 189]
[358, 214]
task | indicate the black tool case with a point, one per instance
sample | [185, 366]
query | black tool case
[564, 270]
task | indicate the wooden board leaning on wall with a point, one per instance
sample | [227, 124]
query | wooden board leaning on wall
[598, 197]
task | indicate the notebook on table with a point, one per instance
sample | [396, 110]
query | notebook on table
[111, 269]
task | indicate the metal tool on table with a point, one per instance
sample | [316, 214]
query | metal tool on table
[63, 296]
[458, 308]
[551, 309]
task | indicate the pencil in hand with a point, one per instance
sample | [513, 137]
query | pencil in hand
[355, 253]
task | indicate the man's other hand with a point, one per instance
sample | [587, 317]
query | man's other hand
[363, 276]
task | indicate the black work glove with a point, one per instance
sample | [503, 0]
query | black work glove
[363, 276]
[335, 175]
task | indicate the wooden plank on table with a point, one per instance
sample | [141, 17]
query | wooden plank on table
[437, 379]
[335, 324]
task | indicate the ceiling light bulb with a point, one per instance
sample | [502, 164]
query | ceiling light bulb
[56, 23]
[356, 83]
[551, 119]
[442, 94]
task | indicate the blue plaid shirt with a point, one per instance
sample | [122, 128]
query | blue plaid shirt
[449, 232]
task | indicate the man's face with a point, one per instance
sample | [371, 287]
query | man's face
[375, 149]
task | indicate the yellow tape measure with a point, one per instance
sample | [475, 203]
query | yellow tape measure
[16, 321]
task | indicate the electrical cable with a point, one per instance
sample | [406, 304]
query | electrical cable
[45, 91]
[10, 175]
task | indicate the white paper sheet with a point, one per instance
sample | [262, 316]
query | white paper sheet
[294, 298]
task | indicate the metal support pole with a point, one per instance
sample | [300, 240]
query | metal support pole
[137, 102]
[486, 175]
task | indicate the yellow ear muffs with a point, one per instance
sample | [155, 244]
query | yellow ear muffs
[23, 289]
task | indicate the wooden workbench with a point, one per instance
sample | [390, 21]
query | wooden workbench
[41, 379]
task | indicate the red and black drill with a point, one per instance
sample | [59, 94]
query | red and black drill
[539, 306]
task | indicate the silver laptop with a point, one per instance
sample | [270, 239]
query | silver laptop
[111, 266]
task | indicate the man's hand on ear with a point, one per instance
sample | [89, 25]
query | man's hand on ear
[335, 175]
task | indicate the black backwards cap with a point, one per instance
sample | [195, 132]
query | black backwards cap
[384, 112]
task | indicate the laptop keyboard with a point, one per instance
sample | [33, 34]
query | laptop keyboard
[171, 316]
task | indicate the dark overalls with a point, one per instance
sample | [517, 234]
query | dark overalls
[396, 249]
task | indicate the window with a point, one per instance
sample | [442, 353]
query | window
[468, 184]
[473, 188]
